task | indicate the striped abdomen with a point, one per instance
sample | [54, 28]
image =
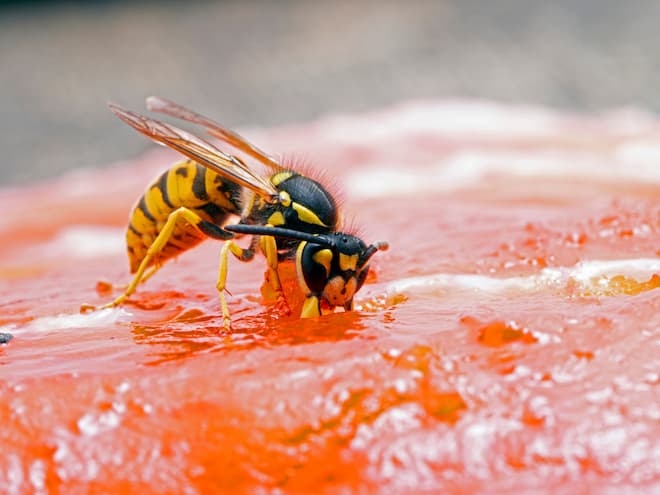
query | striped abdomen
[186, 184]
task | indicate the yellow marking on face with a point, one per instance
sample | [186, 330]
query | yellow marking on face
[285, 198]
[280, 177]
[323, 257]
[276, 219]
[306, 215]
[347, 262]
[338, 292]
[299, 272]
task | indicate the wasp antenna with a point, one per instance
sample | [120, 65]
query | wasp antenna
[371, 250]
[242, 228]
[381, 245]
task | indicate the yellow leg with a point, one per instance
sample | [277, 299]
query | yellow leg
[151, 272]
[311, 307]
[241, 254]
[269, 248]
[145, 277]
[157, 246]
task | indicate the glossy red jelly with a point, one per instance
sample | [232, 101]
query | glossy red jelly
[508, 342]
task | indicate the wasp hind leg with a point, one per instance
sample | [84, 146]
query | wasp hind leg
[207, 228]
[152, 271]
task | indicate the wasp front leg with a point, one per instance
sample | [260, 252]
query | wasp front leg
[311, 307]
[241, 254]
[269, 248]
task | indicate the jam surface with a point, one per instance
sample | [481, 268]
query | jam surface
[508, 342]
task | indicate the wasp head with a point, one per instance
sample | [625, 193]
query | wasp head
[334, 267]
[330, 267]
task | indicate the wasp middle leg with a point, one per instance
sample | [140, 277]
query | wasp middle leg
[273, 284]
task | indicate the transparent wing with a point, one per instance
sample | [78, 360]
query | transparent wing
[157, 104]
[197, 149]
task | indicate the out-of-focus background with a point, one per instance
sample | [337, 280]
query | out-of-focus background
[265, 63]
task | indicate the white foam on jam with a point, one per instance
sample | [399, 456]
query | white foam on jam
[586, 274]
[493, 139]
[93, 319]
[636, 163]
[450, 118]
[82, 242]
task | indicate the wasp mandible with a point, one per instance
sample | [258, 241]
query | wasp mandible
[289, 215]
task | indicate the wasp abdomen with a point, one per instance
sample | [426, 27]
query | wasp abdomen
[186, 184]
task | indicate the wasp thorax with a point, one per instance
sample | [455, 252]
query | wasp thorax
[307, 205]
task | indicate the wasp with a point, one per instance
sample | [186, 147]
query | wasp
[289, 216]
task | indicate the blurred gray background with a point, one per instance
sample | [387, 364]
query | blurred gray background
[250, 62]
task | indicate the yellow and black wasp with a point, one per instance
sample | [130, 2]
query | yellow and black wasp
[288, 215]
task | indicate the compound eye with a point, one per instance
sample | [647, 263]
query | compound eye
[291, 217]
[315, 263]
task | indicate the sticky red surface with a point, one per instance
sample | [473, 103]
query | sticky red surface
[436, 391]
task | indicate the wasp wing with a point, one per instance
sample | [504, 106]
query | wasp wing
[157, 104]
[197, 149]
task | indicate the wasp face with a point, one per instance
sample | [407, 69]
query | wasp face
[303, 204]
[334, 271]
[330, 267]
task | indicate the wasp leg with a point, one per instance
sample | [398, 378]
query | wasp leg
[145, 277]
[207, 228]
[311, 307]
[151, 272]
[269, 248]
[241, 254]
